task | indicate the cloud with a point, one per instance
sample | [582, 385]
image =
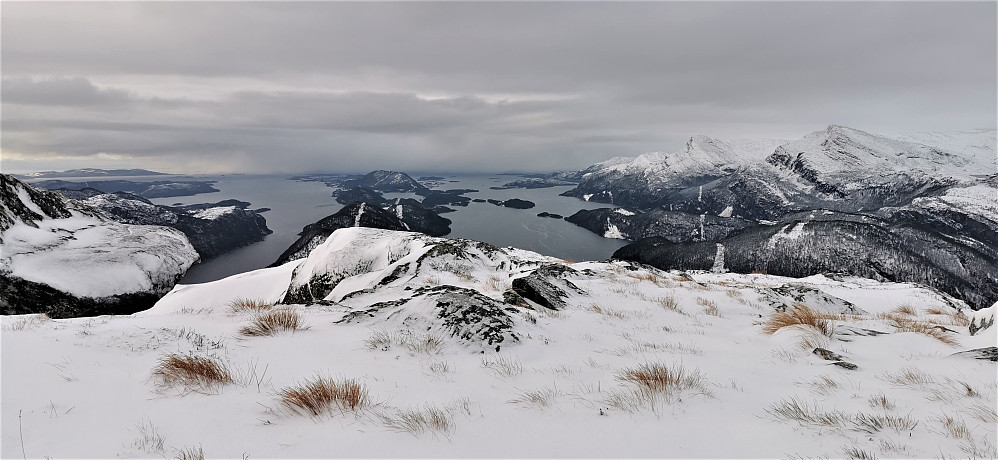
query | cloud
[491, 86]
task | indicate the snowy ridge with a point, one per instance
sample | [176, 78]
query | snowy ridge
[406, 319]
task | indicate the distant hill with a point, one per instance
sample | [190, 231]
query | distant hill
[90, 172]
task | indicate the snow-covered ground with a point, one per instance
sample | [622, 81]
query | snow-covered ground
[555, 388]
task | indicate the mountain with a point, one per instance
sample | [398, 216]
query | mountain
[395, 344]
[90, 172]
[819, 242]
[387, 181]
[399, 216]
[63, 258]
[645, 181]
[154, 189]
[212, 228]
[913, 212]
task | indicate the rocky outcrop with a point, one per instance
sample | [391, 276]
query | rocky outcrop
[547, 286]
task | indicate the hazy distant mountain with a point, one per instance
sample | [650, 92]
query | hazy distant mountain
[90, 172]
[153, 189]
[387, 181]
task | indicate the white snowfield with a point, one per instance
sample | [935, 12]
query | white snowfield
[88, 256]
[85, 387]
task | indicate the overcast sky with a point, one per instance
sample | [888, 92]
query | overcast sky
[289, 87]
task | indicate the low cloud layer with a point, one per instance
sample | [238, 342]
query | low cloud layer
[255, 87]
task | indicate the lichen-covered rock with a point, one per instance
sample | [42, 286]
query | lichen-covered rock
[546, 286]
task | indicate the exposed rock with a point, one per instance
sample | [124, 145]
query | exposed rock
[846, 365]
[546, 286]
[986, 353]
[355, 194]
[827, 355]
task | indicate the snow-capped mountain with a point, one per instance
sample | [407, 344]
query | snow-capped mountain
[644, 180]
[928, 210]
[66, 259]
[447, 342]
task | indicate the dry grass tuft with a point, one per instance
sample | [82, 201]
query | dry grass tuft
[416, 421]
[274, 322]
[909, 376]
[874, 423]
[192, 373]
[243, 305]
[609, 312]
[499, 284]
[541, 397]
[984, 413]
[880, 401]
[322, 394]
[955, 428]
[823, 385]
[799, 314]
[644, 277]
[855, 453]
[503, 365]
[190, 453]
[930, 330]
[659, 378]
[906, 309]
[669, 303]
[428, 343]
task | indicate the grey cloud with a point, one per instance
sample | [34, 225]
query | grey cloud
[347, 84]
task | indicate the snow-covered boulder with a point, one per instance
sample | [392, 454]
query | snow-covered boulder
[63, 258]
[983, 319]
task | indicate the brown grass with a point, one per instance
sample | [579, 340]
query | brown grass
[644, 277]
[193, 373]
[417, 421]
[906, 309]
[190, 453]
[930, 330]
[274, 322]
[669, 303]
[660, 378]
[880, 401]
[799, 314]
[710, 307]
[607, 311]
[322, 394]
[244, 305]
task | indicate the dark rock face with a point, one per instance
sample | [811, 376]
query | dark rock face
[20, 297]
[674, 226]
[157, 189]
[403, 216]
[829, 242]
[546, 286]
[49, 203]
[465, 314]
[387, 181]
[986, 353]
[211, 233]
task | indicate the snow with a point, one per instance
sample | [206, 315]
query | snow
[587, 196]
[726, 212]
[623, 212]
[22, 194]
[360, 212]
[976, 200]
[613, 232]
[214, 213]
[90, 257]
[84, 387]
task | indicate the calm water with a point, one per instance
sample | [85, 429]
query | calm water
[296, 204]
